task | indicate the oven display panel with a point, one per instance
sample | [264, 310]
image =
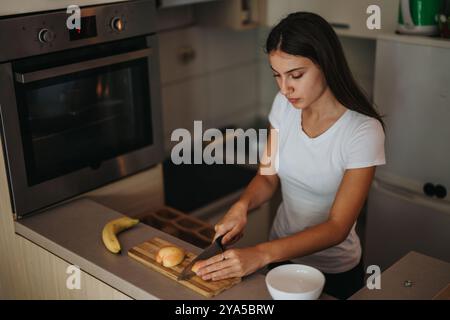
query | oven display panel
[88, 29]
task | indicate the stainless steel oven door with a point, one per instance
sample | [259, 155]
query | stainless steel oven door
[69, 128]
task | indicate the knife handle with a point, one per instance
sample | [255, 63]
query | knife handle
[219, 242]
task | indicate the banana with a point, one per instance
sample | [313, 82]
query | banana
[112, 229]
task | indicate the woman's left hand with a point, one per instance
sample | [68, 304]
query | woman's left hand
[231, 264]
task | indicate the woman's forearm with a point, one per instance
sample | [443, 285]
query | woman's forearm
[259, 190]
[311, 240]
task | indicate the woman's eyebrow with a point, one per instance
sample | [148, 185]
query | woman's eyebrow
[295, 69]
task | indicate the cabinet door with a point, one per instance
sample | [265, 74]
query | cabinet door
[400, 221]
[349, 17]
[411, 88]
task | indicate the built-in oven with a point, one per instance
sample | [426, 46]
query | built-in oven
[79, 107]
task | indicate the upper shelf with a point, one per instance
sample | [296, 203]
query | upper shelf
[403, 38]
[417, 40]
[349, 18]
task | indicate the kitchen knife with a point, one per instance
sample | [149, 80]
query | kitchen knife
[215, 248]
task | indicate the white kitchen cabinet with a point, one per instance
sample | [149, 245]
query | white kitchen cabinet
[411, 89]
[348, 17]
[198, 77]
[234, 14]
[191, 52]
[400, 221]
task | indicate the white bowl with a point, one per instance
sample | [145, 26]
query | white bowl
[295, 282]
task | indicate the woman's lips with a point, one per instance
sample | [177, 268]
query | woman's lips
[293, 100]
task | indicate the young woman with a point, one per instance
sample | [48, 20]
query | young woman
[330, 138]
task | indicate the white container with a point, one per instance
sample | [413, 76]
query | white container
[295, 282]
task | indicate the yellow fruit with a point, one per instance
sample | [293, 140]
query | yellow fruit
[112, 229]
[170, 256]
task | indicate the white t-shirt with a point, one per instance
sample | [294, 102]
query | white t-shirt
[311, 170]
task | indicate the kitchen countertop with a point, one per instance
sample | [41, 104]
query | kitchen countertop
[425, 277]
[72, 231]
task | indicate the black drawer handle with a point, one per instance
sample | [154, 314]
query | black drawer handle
[338, 25]
[435, 190]
[440, 191]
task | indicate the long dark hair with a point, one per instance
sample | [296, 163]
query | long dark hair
[309, 35]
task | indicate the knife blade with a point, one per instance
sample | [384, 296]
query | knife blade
[215, 248]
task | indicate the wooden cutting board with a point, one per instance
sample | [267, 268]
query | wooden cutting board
[444, 294]
[146, 253]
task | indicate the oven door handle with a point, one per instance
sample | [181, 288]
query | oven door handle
[81, 66]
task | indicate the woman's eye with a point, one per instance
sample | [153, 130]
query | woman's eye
[297, 76]
[276, 75]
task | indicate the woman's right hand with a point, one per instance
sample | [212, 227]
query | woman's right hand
[232, 224]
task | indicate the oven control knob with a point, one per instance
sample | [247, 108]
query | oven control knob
[117, 24]
[46, 36]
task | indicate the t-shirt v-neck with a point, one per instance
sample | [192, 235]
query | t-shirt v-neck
[324, 134]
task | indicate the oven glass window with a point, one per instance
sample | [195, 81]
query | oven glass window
[82, 119]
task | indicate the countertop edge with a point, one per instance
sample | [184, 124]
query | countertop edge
[85, 265]
[72, 232]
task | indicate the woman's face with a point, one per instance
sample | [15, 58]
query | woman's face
[298, 78]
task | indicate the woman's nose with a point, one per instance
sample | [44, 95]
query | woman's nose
[285, 88]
